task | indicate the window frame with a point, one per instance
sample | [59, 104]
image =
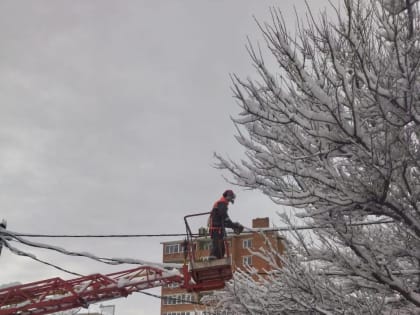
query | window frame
[246, 260]
[172, 249]
[247, 243]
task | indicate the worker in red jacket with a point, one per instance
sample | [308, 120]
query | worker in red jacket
[218, 221]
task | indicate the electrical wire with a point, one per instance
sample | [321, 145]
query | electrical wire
[109, 261]
[99, 235]
[6, 236]
[278, 229]
[19, 252]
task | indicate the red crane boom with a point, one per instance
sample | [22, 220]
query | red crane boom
[54, 295]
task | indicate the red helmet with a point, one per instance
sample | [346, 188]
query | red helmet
[229, 195]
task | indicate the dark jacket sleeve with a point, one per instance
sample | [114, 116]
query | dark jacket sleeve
[223, 211]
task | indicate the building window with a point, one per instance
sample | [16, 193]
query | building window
[178, 299]
[247, 243]
[247, 260]
[172, 248]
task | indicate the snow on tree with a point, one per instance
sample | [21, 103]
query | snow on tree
[334, 132]
[397, 6]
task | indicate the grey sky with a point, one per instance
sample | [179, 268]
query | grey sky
[110, 113]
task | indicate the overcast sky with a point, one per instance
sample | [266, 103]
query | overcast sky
[110, 114]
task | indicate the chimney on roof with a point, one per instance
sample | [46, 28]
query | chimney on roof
[260, 223]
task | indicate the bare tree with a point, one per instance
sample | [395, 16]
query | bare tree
[335, 133]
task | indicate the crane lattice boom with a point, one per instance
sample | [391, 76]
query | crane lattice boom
[54, 295]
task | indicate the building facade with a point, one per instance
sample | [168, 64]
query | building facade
[176, 301]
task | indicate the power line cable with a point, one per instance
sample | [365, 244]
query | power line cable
[99, 235]
[109, 261]
[7, 235]
[278, 229]
[19, 252]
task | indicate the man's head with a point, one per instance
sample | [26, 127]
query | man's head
[229, 195]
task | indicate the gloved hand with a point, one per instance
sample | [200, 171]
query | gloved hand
[238, 229]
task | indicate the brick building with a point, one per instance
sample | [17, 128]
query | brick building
[177, 301]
